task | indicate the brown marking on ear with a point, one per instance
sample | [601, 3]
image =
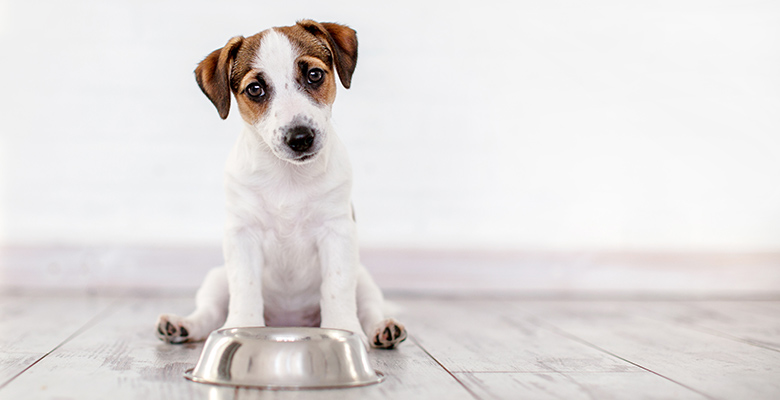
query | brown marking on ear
[343, 42]
[213, 75]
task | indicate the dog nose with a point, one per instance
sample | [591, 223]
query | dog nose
[299, 138]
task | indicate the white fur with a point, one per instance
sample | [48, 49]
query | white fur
[290, 245]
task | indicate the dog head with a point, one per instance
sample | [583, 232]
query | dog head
[283, 80]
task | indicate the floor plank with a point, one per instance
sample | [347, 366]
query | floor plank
[574, 385]
[32, 326]
[478, 336]
[751, 322]
[120, 357]
[710, 364]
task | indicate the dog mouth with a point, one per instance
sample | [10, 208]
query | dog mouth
[305, 157]
[284, 153]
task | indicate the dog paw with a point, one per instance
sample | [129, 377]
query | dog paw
[173, 329]
[389, 333]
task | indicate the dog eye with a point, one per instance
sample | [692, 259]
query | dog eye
[315, 75]
[255, 90]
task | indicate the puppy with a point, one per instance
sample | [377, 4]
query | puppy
[290, 244]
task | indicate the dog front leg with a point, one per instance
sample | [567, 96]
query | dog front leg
[244, 267]
[338, 252]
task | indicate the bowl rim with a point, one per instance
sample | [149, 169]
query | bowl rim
[188, 374]
[347, 334]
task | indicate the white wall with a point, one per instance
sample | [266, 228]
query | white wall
[549, 124]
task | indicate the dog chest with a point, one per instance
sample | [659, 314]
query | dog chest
[291, 281]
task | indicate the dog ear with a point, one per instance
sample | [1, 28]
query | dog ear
[343, 41]
[213, 75]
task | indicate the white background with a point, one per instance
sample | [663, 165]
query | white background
[603, 125]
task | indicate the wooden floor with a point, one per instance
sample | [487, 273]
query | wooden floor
[99, 347]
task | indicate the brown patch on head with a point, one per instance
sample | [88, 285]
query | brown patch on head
[307, 43]
[327, 46]
[342, 41]
[252, 109]
[325, 91]
[244, 74]
[242, 64]
[314, 53]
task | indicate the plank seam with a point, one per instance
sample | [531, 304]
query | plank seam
[414, 340]
[717, 333]
[546, 371]
[568, 335]
[89, 324]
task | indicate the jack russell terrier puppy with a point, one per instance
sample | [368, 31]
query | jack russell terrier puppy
[290, 244]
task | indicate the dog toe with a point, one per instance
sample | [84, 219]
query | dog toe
[389, 334]
[169, 330]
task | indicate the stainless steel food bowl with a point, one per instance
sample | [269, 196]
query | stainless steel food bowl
[284, 358]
